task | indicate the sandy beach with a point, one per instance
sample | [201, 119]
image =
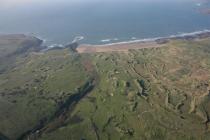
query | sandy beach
[117, 47]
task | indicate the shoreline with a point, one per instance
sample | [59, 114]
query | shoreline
[190, 35]
[159, 40]
[142, 43]
[118, 46]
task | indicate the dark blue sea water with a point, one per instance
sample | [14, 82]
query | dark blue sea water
[102, 21]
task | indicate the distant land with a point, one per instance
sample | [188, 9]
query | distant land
[205, 11]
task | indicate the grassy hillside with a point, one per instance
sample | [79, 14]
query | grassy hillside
[148, 94]
[35, 87]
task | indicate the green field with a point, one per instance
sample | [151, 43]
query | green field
[147, 94]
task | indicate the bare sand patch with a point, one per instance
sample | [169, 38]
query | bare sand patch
[124, 47]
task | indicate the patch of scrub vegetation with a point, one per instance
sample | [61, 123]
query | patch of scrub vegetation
[149, 94]
[35, 87]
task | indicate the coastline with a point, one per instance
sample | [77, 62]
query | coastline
[118, 46]
[190, 35]
[142, 43]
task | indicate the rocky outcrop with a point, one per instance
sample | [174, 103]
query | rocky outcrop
[73, 46]
[31, 43]
[16, 44]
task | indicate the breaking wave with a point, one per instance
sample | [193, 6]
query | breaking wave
[106, 40]
[78, 38]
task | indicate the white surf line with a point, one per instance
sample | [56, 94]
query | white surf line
[156, 38]
[133, 38]
[106, 40]
[109, 40]
[77, 38]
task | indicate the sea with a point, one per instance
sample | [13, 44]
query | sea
[102, 21]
